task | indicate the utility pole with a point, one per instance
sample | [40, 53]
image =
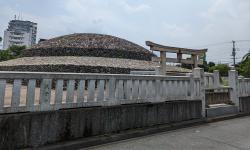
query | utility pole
[0, 42]
[234, 54]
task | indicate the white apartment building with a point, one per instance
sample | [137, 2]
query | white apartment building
[20, 32]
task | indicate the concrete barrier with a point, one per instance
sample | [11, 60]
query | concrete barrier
[245, 104]
[34, 129]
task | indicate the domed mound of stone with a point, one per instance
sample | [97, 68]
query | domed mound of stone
[85, 53]
[86, 44]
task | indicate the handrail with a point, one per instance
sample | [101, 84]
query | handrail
[56, 75]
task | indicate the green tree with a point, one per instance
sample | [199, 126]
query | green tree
[16, 50]
[244, 67]
[246, 56]
[11, 53]
[211, 64]
[223, 69]
[204, 66]
[5, 55]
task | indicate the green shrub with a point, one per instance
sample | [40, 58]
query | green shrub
[223, 69]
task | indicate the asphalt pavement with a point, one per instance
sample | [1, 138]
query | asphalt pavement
[231, 134]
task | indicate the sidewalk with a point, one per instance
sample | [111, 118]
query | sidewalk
[225, 135]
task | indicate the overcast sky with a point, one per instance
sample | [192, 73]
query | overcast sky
[183, 23]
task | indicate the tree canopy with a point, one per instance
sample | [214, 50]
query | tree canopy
[222, 68]
[246, 56]
[11, 53]
[244, 67]
[206, 66]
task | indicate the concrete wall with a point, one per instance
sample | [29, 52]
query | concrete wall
[245, 104]
[36, 129]
[214, 97]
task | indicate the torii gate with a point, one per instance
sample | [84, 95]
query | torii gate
[196, 54]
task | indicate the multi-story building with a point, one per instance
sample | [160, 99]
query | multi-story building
[20, 32]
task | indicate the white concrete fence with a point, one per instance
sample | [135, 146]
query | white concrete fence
[213, 81]
[71, 90]
[237, 86]
[19, 91]
[244, 86]
[209, 80]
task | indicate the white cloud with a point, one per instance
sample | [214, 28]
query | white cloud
[174, 31]
[176, 23]
[225, 20]
[134, 8]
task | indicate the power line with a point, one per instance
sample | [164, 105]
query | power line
[234, 49]
[221, 43]
[242, 40]
[213, 44]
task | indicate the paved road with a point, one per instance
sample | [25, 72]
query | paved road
[225, 135]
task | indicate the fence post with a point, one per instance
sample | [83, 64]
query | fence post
[112, 91]
[163, 63]
[216, 75]
[241, 89]
[199, 73]
[234, 84]
[192, 90]
[45, 94]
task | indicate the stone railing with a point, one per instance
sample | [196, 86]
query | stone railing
[212, 80]
[37, 91]
[209, 80]
[216, 93]
[244, 87]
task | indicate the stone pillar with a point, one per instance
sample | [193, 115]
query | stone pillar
[111, 91]
[234, 85]
[216, 75]
[242, 90]
[199, 73]
[163, 64]
[195, 61]
[192, 89]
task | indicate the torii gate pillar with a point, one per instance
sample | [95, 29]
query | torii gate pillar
[163, 62]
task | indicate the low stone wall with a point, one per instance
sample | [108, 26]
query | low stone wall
[217, 98]
[68, 51]
[245, 104]
[66, 68]
[32, 129]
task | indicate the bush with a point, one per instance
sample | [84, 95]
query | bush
[11, 53]
[6, 55]
[223, 69]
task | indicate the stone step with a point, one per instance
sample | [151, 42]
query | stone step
[221, 110]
